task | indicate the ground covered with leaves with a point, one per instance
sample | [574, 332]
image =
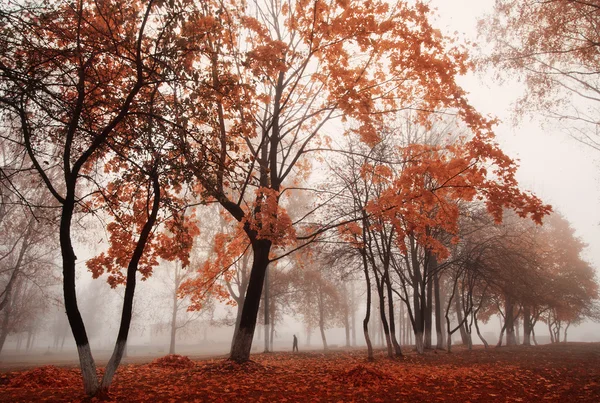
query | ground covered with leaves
[555, 373]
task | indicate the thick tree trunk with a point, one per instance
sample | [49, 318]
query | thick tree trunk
[533, 336]
[86, 361]
[242, 344]
[439, 329]
[526, 326]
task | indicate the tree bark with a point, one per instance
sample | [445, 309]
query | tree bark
[526, 326]
[509, 319]
[459, 316]
[174, 315]
[397, 348]
[126, 314]
[368, 309]
[439, 303]
[428, 308]
[242, 344]
[266, 304]
[353, 312]
[5, 322]
[484, 341]
[86, 361]
[346, 315]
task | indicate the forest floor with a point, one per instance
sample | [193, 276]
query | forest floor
[552, 373]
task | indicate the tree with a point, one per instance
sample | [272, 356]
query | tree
[553, 47]
[78, 84]
[303, 64]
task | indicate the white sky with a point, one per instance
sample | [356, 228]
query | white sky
[556, 167]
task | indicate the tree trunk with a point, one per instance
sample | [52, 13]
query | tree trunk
[323, 338]
[267, 305]
[428, 309]
[459, 316]
[533, 336]
[28, 345]
[5, 323]
[173, 320]
[368, 309]
[384, 323]
[353, 312]
[396, 345]
[86, 361]
[439, 303]
[242, 344]
[509, 320]
[484, 341]
[565, 334]
[499, 344]
[126, 314]
[346, 315]
[526, 326]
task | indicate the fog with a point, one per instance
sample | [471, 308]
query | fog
[554, 166]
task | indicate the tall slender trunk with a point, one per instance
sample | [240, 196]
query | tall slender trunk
[484, 341]
[429, 310]
[353, 312]
[266, 304]
[440, 334]
[132, 268]
[368, 309]
[459, 316]
[397, 349]
[272, 335]
[384, 323]
[565, 334]
[240, 351]
[346, 315]
[173, 324]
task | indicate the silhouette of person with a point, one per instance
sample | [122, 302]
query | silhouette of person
[295, 347]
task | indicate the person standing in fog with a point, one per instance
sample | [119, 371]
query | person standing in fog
[295, 347]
